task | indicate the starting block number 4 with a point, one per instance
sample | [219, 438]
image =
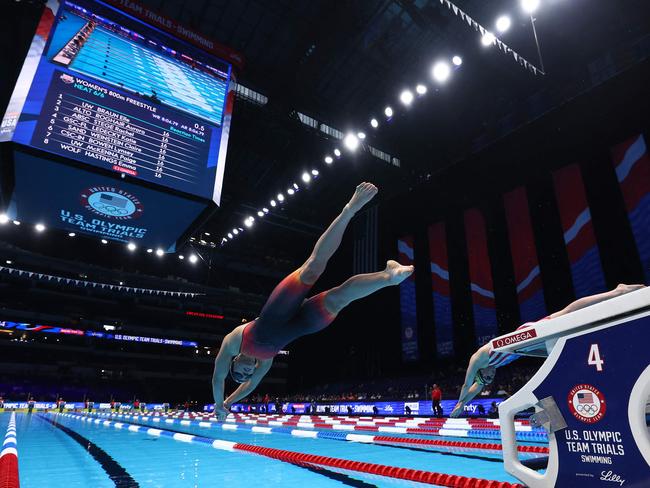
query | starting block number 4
[594, 358]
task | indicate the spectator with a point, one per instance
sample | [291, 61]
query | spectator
[493, 413]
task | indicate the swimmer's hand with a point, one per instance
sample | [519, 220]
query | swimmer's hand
[362, 195]
[457, 411]
[623, 289]
[221, 412]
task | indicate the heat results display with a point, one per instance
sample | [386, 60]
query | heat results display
[105, 89]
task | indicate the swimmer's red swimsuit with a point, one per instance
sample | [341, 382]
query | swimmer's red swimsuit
[286, 315]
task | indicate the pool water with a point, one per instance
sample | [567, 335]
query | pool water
[58, 450]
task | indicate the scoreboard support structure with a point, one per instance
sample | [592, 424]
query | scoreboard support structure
[591, 395]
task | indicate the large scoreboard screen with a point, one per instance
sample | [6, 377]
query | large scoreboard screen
[105, 89]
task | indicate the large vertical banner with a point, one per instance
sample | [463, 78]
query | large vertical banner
[579, 237]
[632, 165]
[480, 275]
[530, 291]
[441, 291]
[407, 303]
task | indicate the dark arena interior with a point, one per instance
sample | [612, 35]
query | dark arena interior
[325, 243]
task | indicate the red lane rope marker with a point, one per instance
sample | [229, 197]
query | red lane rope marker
[469, 445]
[440, 479]
[9, 457]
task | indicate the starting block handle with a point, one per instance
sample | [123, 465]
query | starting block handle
[507, 411]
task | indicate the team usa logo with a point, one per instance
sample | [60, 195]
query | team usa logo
[587, 403]
[111, 202]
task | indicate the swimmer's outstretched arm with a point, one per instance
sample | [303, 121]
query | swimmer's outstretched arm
[470, 387]
[594, 299]
[221, 365]
[247, 387]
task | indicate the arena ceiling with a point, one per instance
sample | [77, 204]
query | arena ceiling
[342, 61]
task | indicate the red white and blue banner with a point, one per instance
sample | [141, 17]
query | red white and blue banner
[407, 303]
[442, 317]
[530, 290]
[480, 275]
[632, 165]
[579, 237]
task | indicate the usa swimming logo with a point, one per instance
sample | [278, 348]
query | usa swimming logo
[112, 202]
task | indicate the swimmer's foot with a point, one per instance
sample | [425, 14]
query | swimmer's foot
[397, 272]
[362, 195]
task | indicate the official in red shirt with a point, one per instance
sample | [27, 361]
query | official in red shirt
[436, 396]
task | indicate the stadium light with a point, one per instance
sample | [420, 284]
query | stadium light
[160, 253]
[39, 227]
[457, 60]
[4, 218]
[229, 235]
[337, 152]
[149, 251]
[315, 172]
[291, 191]
[193, 258]
[374, 123]
[306, 177]
[235, 231]
[181, 257]
[131, 246]
[280, 197]
[488, 39]
[16, 222]
[273, 204]
[260, 213]
[329, 159]
[388, 112]
[71, 234]
[406, 97]
[265, 210]
[104, 241]
[503, 23]
[440, 71]
[351, 142]
[529, 6]
[421, 89]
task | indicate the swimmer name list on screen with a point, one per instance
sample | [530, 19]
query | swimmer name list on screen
[106, 128]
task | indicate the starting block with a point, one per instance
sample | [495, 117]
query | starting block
[591, 395]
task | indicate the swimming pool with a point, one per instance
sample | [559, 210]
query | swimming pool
[78, 451]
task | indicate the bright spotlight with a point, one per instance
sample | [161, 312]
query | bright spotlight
[149, 251]
[306, 177]
[193, 258]
[421, 89]
[71, 234]
[329, 160]
[291, 191]
[441, 72]
[280, 197]
[406, 97]
[229, 235]
[160, 253]
[235, 231]
[388, 112]
[4, 218]
[488, 39]
[374, 123]
[104, 241]
[503, 23]
[361, 135]
[248, 222]
[529, 6]
[351, 142]
[181, 257]
[260, 213]
[131, 246]
[265, 210]
[315, 172]
[457, 60]
[16, 222]
[337, 152]
[39, 227]
[273, 204]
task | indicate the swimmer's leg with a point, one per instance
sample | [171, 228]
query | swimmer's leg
[362, 285]
[329, 242]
